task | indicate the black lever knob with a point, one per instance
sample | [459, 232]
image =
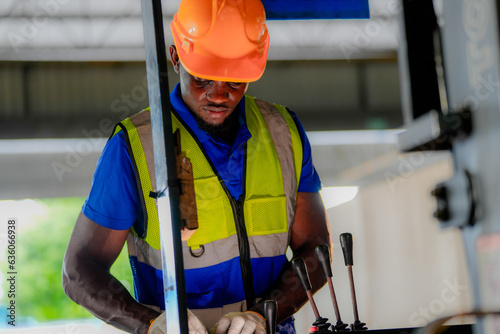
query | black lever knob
[270, 310]
[300, 269]
[346, 244]
[323, 254]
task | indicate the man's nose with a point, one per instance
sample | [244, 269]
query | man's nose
[218, 92]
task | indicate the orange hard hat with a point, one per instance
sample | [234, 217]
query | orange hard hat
[222, 40]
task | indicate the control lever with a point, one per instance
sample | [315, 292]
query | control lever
[270, 310]
[301, 271]
[346, 244]
[323, 254]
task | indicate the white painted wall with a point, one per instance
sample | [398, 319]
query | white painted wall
[407, 270]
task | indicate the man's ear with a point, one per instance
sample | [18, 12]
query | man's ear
[174, 57]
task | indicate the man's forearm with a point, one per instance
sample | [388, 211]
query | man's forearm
[93, 287]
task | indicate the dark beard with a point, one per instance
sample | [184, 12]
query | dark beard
[226, 130]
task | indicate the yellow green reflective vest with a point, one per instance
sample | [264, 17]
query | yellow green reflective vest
[256, 227]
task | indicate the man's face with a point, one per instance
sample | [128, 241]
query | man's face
[212, 101]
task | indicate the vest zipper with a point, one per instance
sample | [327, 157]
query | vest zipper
[243, 243]
[239, 219]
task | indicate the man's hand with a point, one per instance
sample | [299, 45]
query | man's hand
[195, 326]
[240, 322]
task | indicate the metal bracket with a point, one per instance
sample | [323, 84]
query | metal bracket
[457, 201]
[436, 131]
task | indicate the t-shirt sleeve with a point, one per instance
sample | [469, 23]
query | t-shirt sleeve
[113, 201]
[309, 178]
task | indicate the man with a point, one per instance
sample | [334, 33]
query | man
[256, 191]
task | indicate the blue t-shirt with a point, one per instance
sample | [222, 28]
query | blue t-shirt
[114, 201]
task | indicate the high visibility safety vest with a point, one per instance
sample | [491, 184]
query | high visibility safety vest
[232, 232]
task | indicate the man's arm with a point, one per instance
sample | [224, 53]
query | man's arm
[310, 229]
[91, 251]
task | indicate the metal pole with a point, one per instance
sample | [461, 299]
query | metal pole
[165, 168]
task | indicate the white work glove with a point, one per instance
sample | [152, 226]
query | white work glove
[240, 323]
[195, 326]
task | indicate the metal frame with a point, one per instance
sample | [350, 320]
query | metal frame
[167, 190]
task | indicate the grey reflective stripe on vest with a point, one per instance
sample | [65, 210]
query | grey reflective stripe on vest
[280, 133]
[142, 122]
[144, 253]
[224, 249]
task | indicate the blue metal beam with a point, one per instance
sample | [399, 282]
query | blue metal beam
[316, 9]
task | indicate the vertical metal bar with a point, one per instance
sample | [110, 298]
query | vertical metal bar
[353, 294]
[416, 58]
[334, 299]
[165, 169]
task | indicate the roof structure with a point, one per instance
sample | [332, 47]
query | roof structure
[111, 30]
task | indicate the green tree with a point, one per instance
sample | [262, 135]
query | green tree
[40, 250]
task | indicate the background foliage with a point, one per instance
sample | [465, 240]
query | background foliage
[41, 244]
